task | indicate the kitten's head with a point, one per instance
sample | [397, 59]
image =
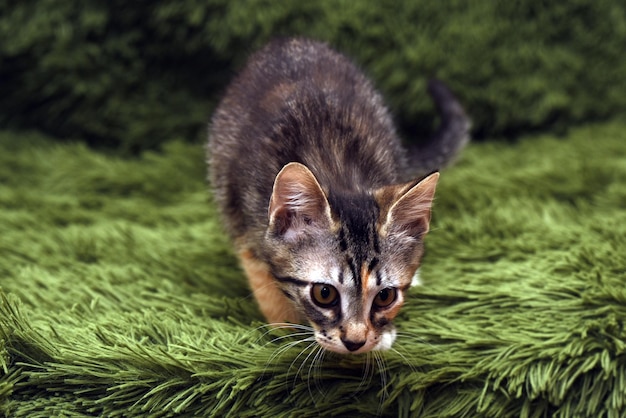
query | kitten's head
[346, 260]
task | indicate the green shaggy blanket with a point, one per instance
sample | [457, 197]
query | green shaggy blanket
[121, 295]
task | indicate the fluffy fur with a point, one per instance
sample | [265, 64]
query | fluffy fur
[312, 181]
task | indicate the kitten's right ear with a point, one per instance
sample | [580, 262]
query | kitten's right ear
[298, 203]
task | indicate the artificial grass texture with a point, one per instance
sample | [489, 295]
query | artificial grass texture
[121, 295]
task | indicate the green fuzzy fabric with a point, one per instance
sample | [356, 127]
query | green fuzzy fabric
[132, 75]
[121, 295]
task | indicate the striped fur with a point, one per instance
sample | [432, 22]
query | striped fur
[309, 175]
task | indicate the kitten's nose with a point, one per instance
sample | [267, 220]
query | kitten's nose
[353, 345]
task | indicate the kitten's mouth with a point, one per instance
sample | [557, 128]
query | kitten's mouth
[381, 343]
[343, 349]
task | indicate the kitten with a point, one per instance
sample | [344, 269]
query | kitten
[310, 176]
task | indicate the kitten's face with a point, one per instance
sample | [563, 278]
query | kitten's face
[347, 267]
[350, 304]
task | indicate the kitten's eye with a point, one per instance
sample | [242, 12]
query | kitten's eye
[324, 295]
[385, 297]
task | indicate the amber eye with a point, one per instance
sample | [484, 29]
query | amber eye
[324, 295]
[385, 297]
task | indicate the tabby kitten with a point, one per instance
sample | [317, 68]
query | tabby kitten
[312, 181]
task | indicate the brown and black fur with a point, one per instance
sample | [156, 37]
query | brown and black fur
[312, 181]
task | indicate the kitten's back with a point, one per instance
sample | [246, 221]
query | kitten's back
[299, 101]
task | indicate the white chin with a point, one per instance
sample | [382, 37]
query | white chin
[386, 340]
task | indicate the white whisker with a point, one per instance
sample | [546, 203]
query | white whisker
[278, 326]
[380, 361]
[291, 344]
[317, 352]
[286, 347]
[417, 337]
[317, 371]
[282, 325]
[308, 347]
[296, 334]
[404, 358]
[368, 372]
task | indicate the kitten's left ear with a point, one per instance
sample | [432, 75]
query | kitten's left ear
[410, 213]
[298, 203]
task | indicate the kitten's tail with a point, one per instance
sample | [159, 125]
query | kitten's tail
[453, 133]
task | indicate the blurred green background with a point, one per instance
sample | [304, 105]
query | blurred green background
[132, 75]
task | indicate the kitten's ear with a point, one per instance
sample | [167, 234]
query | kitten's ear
[410, 213]
[298, 203]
